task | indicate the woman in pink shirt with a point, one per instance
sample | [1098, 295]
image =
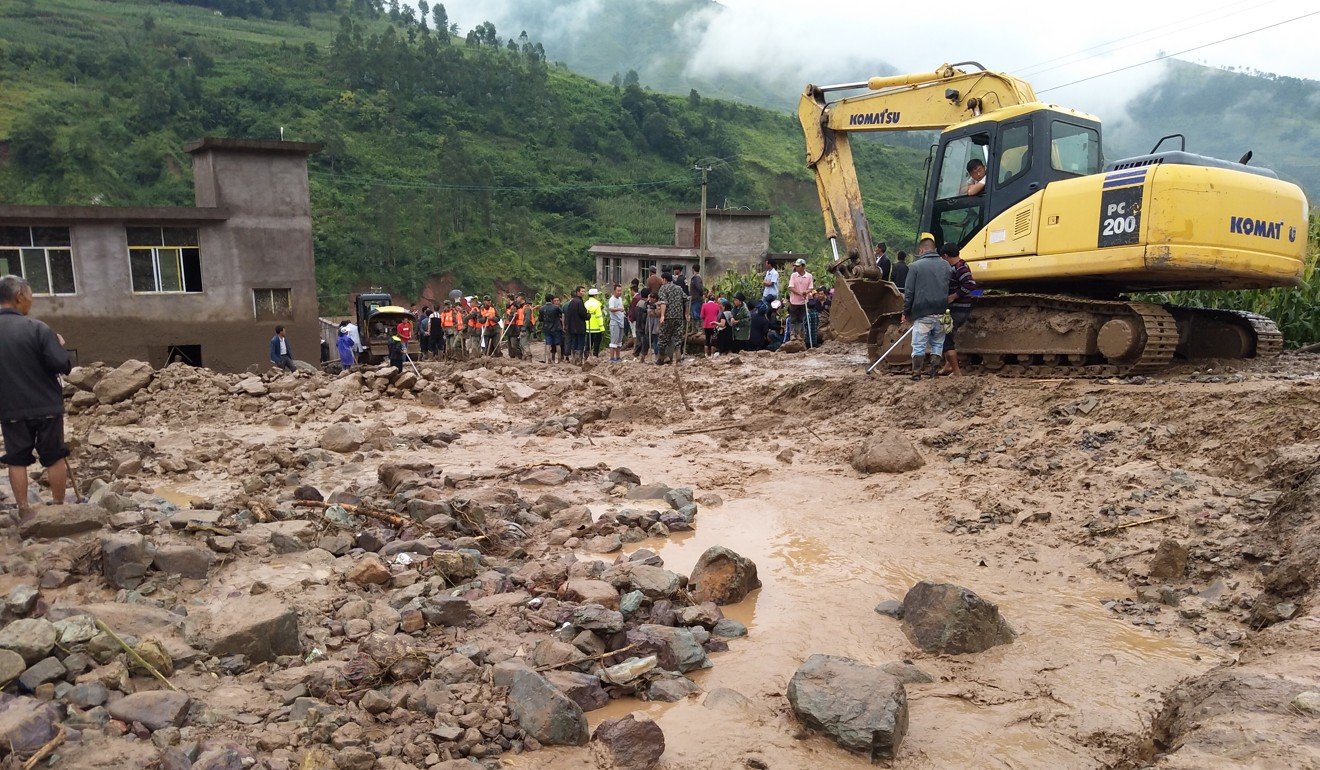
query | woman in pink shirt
[710, 313]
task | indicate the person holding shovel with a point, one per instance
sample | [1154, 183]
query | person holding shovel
[32, 358]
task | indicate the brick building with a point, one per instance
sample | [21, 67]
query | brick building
[205, 284]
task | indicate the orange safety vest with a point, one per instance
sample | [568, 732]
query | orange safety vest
[451, 319]
[520, 316]
[474, 320]
[492, 318]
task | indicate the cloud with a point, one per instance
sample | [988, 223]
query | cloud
[786, 44]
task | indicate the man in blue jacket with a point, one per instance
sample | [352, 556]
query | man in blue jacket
[279, 350]
[32, 358]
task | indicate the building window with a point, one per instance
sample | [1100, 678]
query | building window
[164, 259]
[644, 268]
[613, 272]
[272, 304]
[42, 255]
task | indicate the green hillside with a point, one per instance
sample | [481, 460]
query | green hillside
[1224, 114]
[464, 155]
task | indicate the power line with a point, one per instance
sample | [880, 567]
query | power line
[1036, 69]
[411, 185]
[1180, 53]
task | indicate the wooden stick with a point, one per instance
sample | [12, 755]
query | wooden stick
[681, 392]
[398, 522]
[1312, 348]
[133, 654]
[45, 751]
[587, 659]
[690, 431]
[1117, 527]
[1122, 556]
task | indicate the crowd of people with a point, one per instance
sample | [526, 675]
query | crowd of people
[651, 320]
[646, 321]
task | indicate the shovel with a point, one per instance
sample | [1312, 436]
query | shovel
[885, 355]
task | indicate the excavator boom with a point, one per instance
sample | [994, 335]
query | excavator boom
[915, 102]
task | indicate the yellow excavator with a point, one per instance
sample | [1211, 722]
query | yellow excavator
[1057, 235]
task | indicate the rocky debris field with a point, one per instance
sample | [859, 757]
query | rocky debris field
[475, 565]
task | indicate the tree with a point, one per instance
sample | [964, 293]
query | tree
[441, 20]
[631, 79]
[694, 99]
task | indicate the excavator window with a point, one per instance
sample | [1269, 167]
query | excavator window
[1074, 149]
[1014, 152]
[953, 165]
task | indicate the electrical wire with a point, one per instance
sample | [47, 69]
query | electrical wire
[1031, 70]
[1179, 53]
[408, 185]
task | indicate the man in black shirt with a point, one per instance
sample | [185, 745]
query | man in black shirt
[32, 357]
[552, 329]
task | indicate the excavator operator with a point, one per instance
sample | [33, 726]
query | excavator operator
[975, 184]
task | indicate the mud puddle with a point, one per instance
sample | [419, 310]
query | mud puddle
[826, 554]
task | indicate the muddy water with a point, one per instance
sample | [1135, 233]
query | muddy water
[827, 551]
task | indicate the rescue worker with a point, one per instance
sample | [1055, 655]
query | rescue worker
[404, 329]
[529, 325]
[515, 320]
[491, 322]
[395, 346]
[475, 329]
[451, 325]
[595, 322]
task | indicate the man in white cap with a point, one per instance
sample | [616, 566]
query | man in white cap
[800, 286]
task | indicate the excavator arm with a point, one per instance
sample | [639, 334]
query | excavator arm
[915, 102]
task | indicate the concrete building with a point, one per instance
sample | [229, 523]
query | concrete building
[205, 284]
[737, 239]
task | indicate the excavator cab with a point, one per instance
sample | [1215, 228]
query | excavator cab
[1021, 149]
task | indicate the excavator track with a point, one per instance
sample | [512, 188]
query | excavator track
[1038, 335]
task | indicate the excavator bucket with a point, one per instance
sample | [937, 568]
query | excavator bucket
[859, 303]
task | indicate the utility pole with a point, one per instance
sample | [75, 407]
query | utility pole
[701, 253]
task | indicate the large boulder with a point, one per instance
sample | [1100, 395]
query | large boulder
[677, 649]
[33, 638]
[63, 520]
[26, 725]
[154, 708]
[185, 560]
[723, 577]
[861, 707]
[886, 453]
[1169, 561]
[342, 437]
[122, 382]
[260, 627]
[545, 713]
[124, 558]
[585, 591]
[584, 689]
[629, 743]
[950, 619]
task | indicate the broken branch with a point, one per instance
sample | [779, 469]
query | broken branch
[132, 653]
[1117, 527]
[45, 751]
[587, 659]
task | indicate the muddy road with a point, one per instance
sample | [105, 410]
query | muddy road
[1049, 498]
